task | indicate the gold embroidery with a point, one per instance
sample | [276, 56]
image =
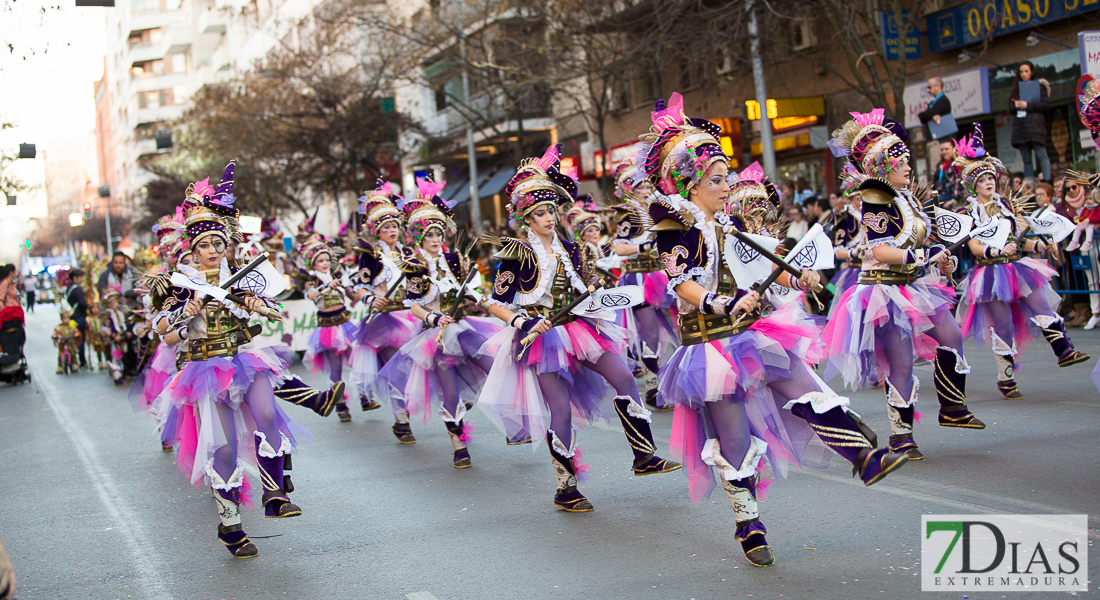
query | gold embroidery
[668, 261]
[503, 279]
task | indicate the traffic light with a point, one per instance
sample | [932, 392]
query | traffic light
[87, 210]
[27, 244]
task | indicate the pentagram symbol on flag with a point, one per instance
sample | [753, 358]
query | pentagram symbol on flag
[612, 300]
[253, 282]
[744, 253]
[949, 225]
[779, 290]
[1044, 223]
[988, 233]
[807, 257]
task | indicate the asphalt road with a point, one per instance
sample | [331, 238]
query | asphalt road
[91, 508]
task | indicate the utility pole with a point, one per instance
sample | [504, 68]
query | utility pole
[766, 144]
[107, 220]
[475, 200]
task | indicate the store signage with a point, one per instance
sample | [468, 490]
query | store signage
[972, 22]
[1088, 42]
[892, 42]
[968, 91]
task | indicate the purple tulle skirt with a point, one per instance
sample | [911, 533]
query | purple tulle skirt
[150, 382]
[199, 427]
[864, 311]
[1006, 283]
[512, 397]
[417, 367]
[843, 280]
[739, 369]
[386, 330]
[325, 340]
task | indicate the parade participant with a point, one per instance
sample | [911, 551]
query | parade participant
[740, 383]
[329, 345]
[439, 369]
[653, 329]
[849, 241]
[569, 366]
[892, 314]
[381, 286]
[1006, 298]
[95, 338]
[225, 386]
[116, 333]
[66, 337]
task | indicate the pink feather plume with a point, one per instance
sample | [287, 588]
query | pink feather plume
[427, 188]
[872, 118]
[672, 115]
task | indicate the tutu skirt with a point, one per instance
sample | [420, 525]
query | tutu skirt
[841, 281]
[209, 415]
[512, 397]
[740, 368]
[150, 382]
[654, 287]
[867, 310]
[386, 330]
[325, 340]
[419, 365]
[1007, 283]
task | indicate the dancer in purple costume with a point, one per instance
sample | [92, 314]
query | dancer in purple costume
[894, 313]
[740, 383]
[572, 363]
[1006, 298]
[225, 385]
[329, 345]
[439, 369]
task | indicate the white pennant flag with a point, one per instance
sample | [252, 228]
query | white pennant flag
[778, 295]
[993, 233]
[189, 283]
[953, 226]
[814, 251]
[745, 264]
[1051, 223]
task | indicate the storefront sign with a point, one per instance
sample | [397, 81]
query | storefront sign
[968, 91]
[891, 42]
[971, 23]
[1088, 42]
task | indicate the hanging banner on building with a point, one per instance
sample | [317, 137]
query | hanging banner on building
[300, 321]
[1088, 43]
[970, 23]
[892, 44]
[968, 91]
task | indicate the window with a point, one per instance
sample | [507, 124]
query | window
[179, 94]
[156, 67]
[152, 99]
[179, 63]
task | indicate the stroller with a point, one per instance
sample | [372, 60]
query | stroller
[13, 364]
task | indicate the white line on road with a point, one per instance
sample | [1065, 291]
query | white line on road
[421, 596]
[108, 492]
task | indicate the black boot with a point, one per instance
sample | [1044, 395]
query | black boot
[402, 430]
[567, 497]
[342, 411]
[277, 504]
[951, 390]
[847, 434]
[741, 494]
[462, 453]
[295, 391]
[367, 404]
[635, 419]
[1055, 334]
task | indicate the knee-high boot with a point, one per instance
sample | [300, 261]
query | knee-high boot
[951, 371]
[636, 423]
[1005, 357]
[739, 483]
[458, 436]
[902, 411]
[277, 504]
[227, 496]
[1054, 330]
[845, 432]
[295, 391]
[567, 497]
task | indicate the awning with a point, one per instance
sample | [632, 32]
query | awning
[453, 186]
[496, 182]
[462, 194]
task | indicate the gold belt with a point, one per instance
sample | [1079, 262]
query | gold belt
[855, 264]
[639, 265]
[547, 313]
[878, 277]
[697, 328]
[332, 320]
[394, 307]
[206, 349]
[996, 260]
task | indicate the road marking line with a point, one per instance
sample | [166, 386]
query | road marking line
[140, 547]
[421, 596]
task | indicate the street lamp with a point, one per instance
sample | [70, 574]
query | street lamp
[76, 220]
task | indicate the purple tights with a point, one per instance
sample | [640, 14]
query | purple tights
[899, 349]
[555, 391]
[259, 401]
[1001, 312]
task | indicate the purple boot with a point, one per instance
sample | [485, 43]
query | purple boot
[1054, 330]
[636, 423]
[277, 504]
[567, 497]
[847, 434]
[741, 494]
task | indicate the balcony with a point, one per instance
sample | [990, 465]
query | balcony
[212, 21]
[153, 19]
[174, 41]
[146, 146]
[490, 110]
[149, 83]
[155, 115]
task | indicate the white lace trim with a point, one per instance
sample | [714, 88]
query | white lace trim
[559, 447]
[682, 277]
[547, 265]
[820, 401]
[1000, 346]
[489, 301]
[264, 448]
[390, 270]
[460, 412]
[961, 366]
[893, 398]
[236, 479]
[712, 455]
[1045, 321]
[635, 409]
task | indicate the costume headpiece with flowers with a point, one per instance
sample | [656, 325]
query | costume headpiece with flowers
[1088, 102]
[578, 219]
[314, 248]
[850, 179]
[168, 230]
[428, 211]
[874, 144]
[378, 208]
[752, 191]
[209, 210]
[539, 182]
[972, 161]
[678, 150]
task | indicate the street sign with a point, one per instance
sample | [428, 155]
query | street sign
[891, 41]
[973, 22]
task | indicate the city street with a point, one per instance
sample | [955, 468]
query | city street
[91, 508]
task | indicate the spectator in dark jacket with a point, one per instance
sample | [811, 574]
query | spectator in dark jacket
[1029, 122]
[940, 106]
[74, 295]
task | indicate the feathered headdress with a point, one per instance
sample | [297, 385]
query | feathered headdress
[378, 208]
[972, 161]
[313, 249]
[850, 179]
[874, 144]
[538, 182]
[752, 187]
[428, 211]
[678, 150]
[578, 220]
[1089, 105]
[210, 211]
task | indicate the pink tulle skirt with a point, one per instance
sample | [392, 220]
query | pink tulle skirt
[150, 382]
[843, 280]
[1007, 283]
[420, 366]
[654, 287]
[512, 397]
[739, 369]
[199, 427]
[867, 310]
[386, 330]
[326, 340]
